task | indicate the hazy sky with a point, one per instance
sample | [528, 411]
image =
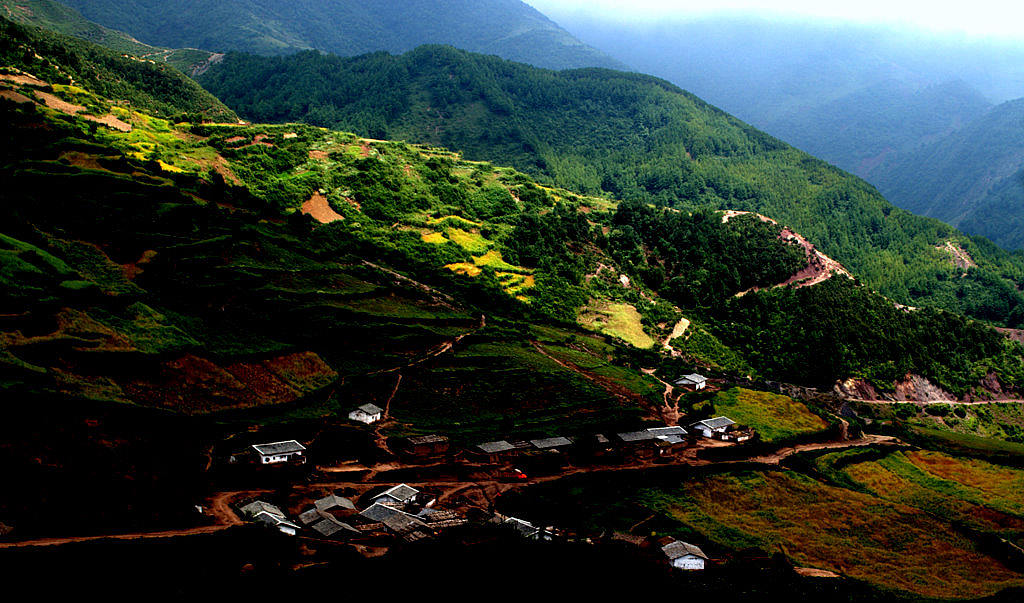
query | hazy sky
[1003, 18]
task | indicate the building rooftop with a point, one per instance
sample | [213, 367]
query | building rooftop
[677, 549]
[636, 436]
[333, 501]
[275, 448]
[551, 442]
[401, 493]
[427, 439]
[691, 379]
[371, 409]
[258, 506]
[495, 447]
[716, 423]
[525, 528]
[330, 526]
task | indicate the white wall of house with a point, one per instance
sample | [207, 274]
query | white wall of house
[688, 562]
[700, 385]
[267, 459]
[362, 417]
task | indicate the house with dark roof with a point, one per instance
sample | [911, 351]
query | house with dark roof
[288, 451]
[331, 527]
[639, 444]
[367, 413]
[692, 381]
[275, 521]
[258, 506]
[527, 529]
[425, 445]
[333, 501]
[683, 555]
[401, 494]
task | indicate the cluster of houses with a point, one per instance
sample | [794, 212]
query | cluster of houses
[401, 512]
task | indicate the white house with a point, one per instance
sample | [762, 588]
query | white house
[367, 413]
[270, 515]
[280, 452]
[671, 434]
[709, 427]
[695, 381]
[684, 555]
[400, 494]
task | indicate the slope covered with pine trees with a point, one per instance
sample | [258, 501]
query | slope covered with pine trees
[508, 28]
[629, 136]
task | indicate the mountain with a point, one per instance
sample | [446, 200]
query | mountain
[864, 131]
[958, 177]
[70, 62]
[629, 136]
[175, 290]
[57, 17]
[508, 28]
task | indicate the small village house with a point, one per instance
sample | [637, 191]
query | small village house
[723, 428]
[692, 381]
[426, 445]
[403, 494]
[270, 515]
[640, 444]
[280, 452]
[709, 427]
[685, 556]
[494, 451]
[555, 444]
[367, 413]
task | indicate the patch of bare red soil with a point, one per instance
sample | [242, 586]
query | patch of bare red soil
[17, 97]
[318, 155]
[192, 384]
[318, 207]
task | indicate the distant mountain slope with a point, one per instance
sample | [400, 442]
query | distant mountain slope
[59, 18]
[1000, 214]
[951, 178]
[155, 87]
[631, 136]
[508, 28]
[863, 130]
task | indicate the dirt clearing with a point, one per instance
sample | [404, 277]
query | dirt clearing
[318, 207]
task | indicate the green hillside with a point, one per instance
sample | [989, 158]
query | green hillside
[966, 178]
[628, 136]
[508, 28]
[59, 18]
[154, 87]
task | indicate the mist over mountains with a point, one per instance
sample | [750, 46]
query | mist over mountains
[888, 104]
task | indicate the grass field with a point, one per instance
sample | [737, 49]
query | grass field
[618, 320]
[775, 417]
[980, 494]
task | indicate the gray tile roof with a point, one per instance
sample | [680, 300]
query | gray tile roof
[310, 516]
[667, 431]
[636, 436]
[258, 506]
[525, 528]
[333, 501]
[428, 439]
[401, 493]
[274, 448]
[330, 526]
[495, 447]
[377, 512]
[716, 423]
[551, 442]
[274, 520]
[677, 549]
[691, 379]
[402, 523]
[371, 409]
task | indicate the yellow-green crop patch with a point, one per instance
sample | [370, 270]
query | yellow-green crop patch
[434, 238]
[852, 533]
[982, 495]
[470, 241]
[773, 416]
[618, 320]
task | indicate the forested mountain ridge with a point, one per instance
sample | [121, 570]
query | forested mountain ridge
[958, 177]
[189, 249]
[630, 136]
[54, 16]
[863, 131]
[154, 87]
[508, 28]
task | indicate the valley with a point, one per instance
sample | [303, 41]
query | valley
[259, 355]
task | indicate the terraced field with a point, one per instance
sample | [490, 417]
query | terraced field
[774, 417]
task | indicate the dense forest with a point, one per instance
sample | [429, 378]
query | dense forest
[629, 136]
[508, 28]
[957, 177]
